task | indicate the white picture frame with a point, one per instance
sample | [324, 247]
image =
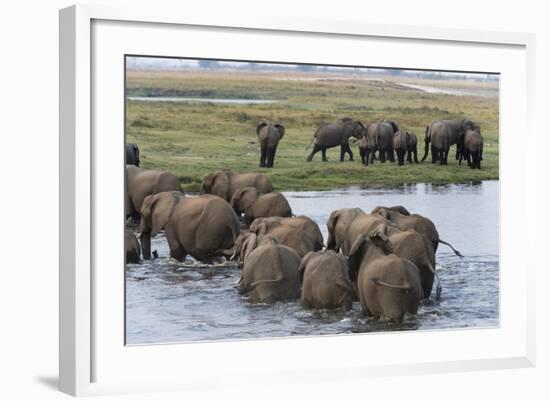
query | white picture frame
[93, 357]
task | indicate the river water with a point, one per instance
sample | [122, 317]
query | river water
[167, 301]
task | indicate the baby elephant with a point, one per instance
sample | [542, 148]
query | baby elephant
[326, 284]
[270, 272]
[269, 136]
[388, 285]
[472, 150]
[365, 149]
[131, 245]
[253, 204]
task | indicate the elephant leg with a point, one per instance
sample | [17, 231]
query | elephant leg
[415, 156]
[391, 156]
[316, 148]
[348, 150]
[342, 152]
[271, 157]
[382, 155]
[177, 251]
[427, 284]
[324, 153]
[145, 240]
[263, 156]
[372, 156]
[409, 156]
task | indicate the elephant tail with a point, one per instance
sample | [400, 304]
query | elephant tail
[313, 139]
[405, 287]
[457, 253]
[253, 285]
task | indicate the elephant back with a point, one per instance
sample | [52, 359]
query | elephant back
[400, 141]
[331, 135]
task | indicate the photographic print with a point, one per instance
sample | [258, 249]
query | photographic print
[272, 200]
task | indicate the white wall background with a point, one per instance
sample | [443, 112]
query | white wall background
[29, 200]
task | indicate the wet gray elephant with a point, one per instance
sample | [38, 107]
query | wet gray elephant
[131, 246]
[204, 227]
[325, 281]
[270, 272]
[380, 136]
[388, 285]
[132, 154]
[253, 204]
[405, 144]
[346, 225]
[472, 148]
[269, 136]
[441, 135]
[140, 183]
[336, 134]
[224, 183]
[156, 210]
[417, 222]
[300, 233]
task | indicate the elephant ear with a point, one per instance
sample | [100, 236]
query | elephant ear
[146, 212]
[303, 264]
[163, 209]
[355, 256]
[381, 211]
[400, 209]
[260, 229]
[220, 185]
[244, 198]
[249, 244]
[331, 226]
[260, 125]
[281, 130]
[394, 125]
[379, 237]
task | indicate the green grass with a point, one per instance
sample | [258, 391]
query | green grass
[193, 139]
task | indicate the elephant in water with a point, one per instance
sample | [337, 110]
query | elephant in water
[131, 246]
[380, 136]
[270, 272]
[204, 227]
[405, 143]
[269, 136]
[140, 183]
[132, 154]
[253, 204]
[300, 233]
[346, 225]
[442, 134]
[416, 222]
[224, 183]
[336, 134]
[325, 281]
[388, 285]
[156, 210]
[472, 147]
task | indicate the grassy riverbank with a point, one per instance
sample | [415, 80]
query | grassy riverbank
[192, 139]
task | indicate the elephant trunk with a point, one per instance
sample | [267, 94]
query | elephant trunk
[145, 239]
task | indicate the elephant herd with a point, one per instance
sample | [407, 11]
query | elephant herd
[385, 138]
[384, 259]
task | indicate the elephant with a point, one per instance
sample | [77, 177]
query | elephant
[380, 135]
[140, 183]
[224, 183]
[365, 149]
[388, 285]
[270, 272]
[203, 226]
[346, 225]
[336, 134]
[131, 246]
[156, 210]
[417, 222]
[472, 147]
[338, 224]
[300, 233]
[442, 134]
[269, 136]
[405, 143]
[325, 281]
[249, 201]
[245, 243]
[132, 154]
